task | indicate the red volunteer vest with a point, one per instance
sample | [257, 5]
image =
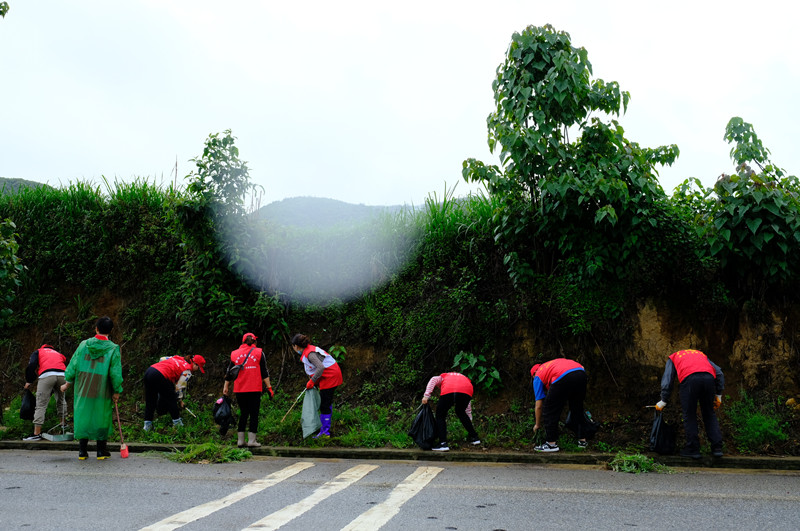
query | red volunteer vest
[551, 370]
[249, 379]
[172, 368]
[50, 359]
[454, 382]
[331, 375]
[691, 361]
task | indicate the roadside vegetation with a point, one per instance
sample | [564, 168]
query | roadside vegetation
[572, 233]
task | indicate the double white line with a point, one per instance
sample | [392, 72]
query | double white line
[374, 518]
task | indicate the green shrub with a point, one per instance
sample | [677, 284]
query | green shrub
[483, 376]
[755, 426]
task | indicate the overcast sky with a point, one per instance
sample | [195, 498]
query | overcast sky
[367, 102]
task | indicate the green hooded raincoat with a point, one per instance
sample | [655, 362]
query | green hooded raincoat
[95, 370]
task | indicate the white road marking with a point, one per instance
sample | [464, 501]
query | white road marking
[195, 513]
[377, 516]
[290, 512]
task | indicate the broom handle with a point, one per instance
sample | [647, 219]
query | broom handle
[119, 424]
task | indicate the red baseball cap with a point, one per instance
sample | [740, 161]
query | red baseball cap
[200, 361]
[249, 334]
[534, 369]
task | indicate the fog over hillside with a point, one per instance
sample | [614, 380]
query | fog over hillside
[309, 212]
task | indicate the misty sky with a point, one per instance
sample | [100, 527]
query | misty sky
[366, 102]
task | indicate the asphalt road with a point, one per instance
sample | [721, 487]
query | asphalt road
[53, 490]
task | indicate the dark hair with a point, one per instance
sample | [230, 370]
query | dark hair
[300, 340]
[250, 340]
[104, 325]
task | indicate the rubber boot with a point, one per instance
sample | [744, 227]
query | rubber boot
[240, 440]
[325, 430]
[251, 440]
[178, 422]
[148, 425]
[83, 452]
[102, 450]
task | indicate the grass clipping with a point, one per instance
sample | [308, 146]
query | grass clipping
[636, 464]
[208, 453]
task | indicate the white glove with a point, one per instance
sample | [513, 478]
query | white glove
[661, 405]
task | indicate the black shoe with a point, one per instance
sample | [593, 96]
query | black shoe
[694, 454]
[473, 441]
[441, 447]
[717, 452]
[83, 451]
[33, 438]
[102, 450]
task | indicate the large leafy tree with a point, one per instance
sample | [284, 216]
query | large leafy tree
[750, 218]
[585, 203]
[216, 234]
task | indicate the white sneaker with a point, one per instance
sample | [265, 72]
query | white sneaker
[547, 447]
[441, 447]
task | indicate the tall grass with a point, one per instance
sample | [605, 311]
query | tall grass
[66, 232]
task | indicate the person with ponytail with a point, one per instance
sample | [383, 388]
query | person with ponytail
[324, 373]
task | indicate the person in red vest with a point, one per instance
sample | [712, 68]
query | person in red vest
[324, 372]
[555, 383]
[455, 391]
[47, 366]
[248, 387]
[165, 382]
[701, 382]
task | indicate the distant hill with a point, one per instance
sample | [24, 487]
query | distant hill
[313, 212]
[9, 185]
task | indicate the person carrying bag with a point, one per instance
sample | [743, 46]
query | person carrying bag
[248, 383]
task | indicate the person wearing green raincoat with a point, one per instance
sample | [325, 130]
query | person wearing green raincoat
[96, 371]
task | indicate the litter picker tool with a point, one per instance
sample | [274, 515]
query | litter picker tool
[63, 436]
[190, 411]
[123, 448]
[295, 403]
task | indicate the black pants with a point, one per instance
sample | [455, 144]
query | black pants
[326, 401]
[158, 389]
[570, 388]
[249, 406]
[459, 401]
[699, 388]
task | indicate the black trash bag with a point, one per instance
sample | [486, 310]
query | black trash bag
[662, 436]
[28, 407]
[588, 426]
[223, 414]
[423, 428]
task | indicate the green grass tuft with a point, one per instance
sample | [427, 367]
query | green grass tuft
[209, 453]
[636, 464]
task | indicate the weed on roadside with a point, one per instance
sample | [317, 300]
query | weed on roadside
[209, 453]
[636, 464]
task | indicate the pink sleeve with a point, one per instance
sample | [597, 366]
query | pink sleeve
[434, 382]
